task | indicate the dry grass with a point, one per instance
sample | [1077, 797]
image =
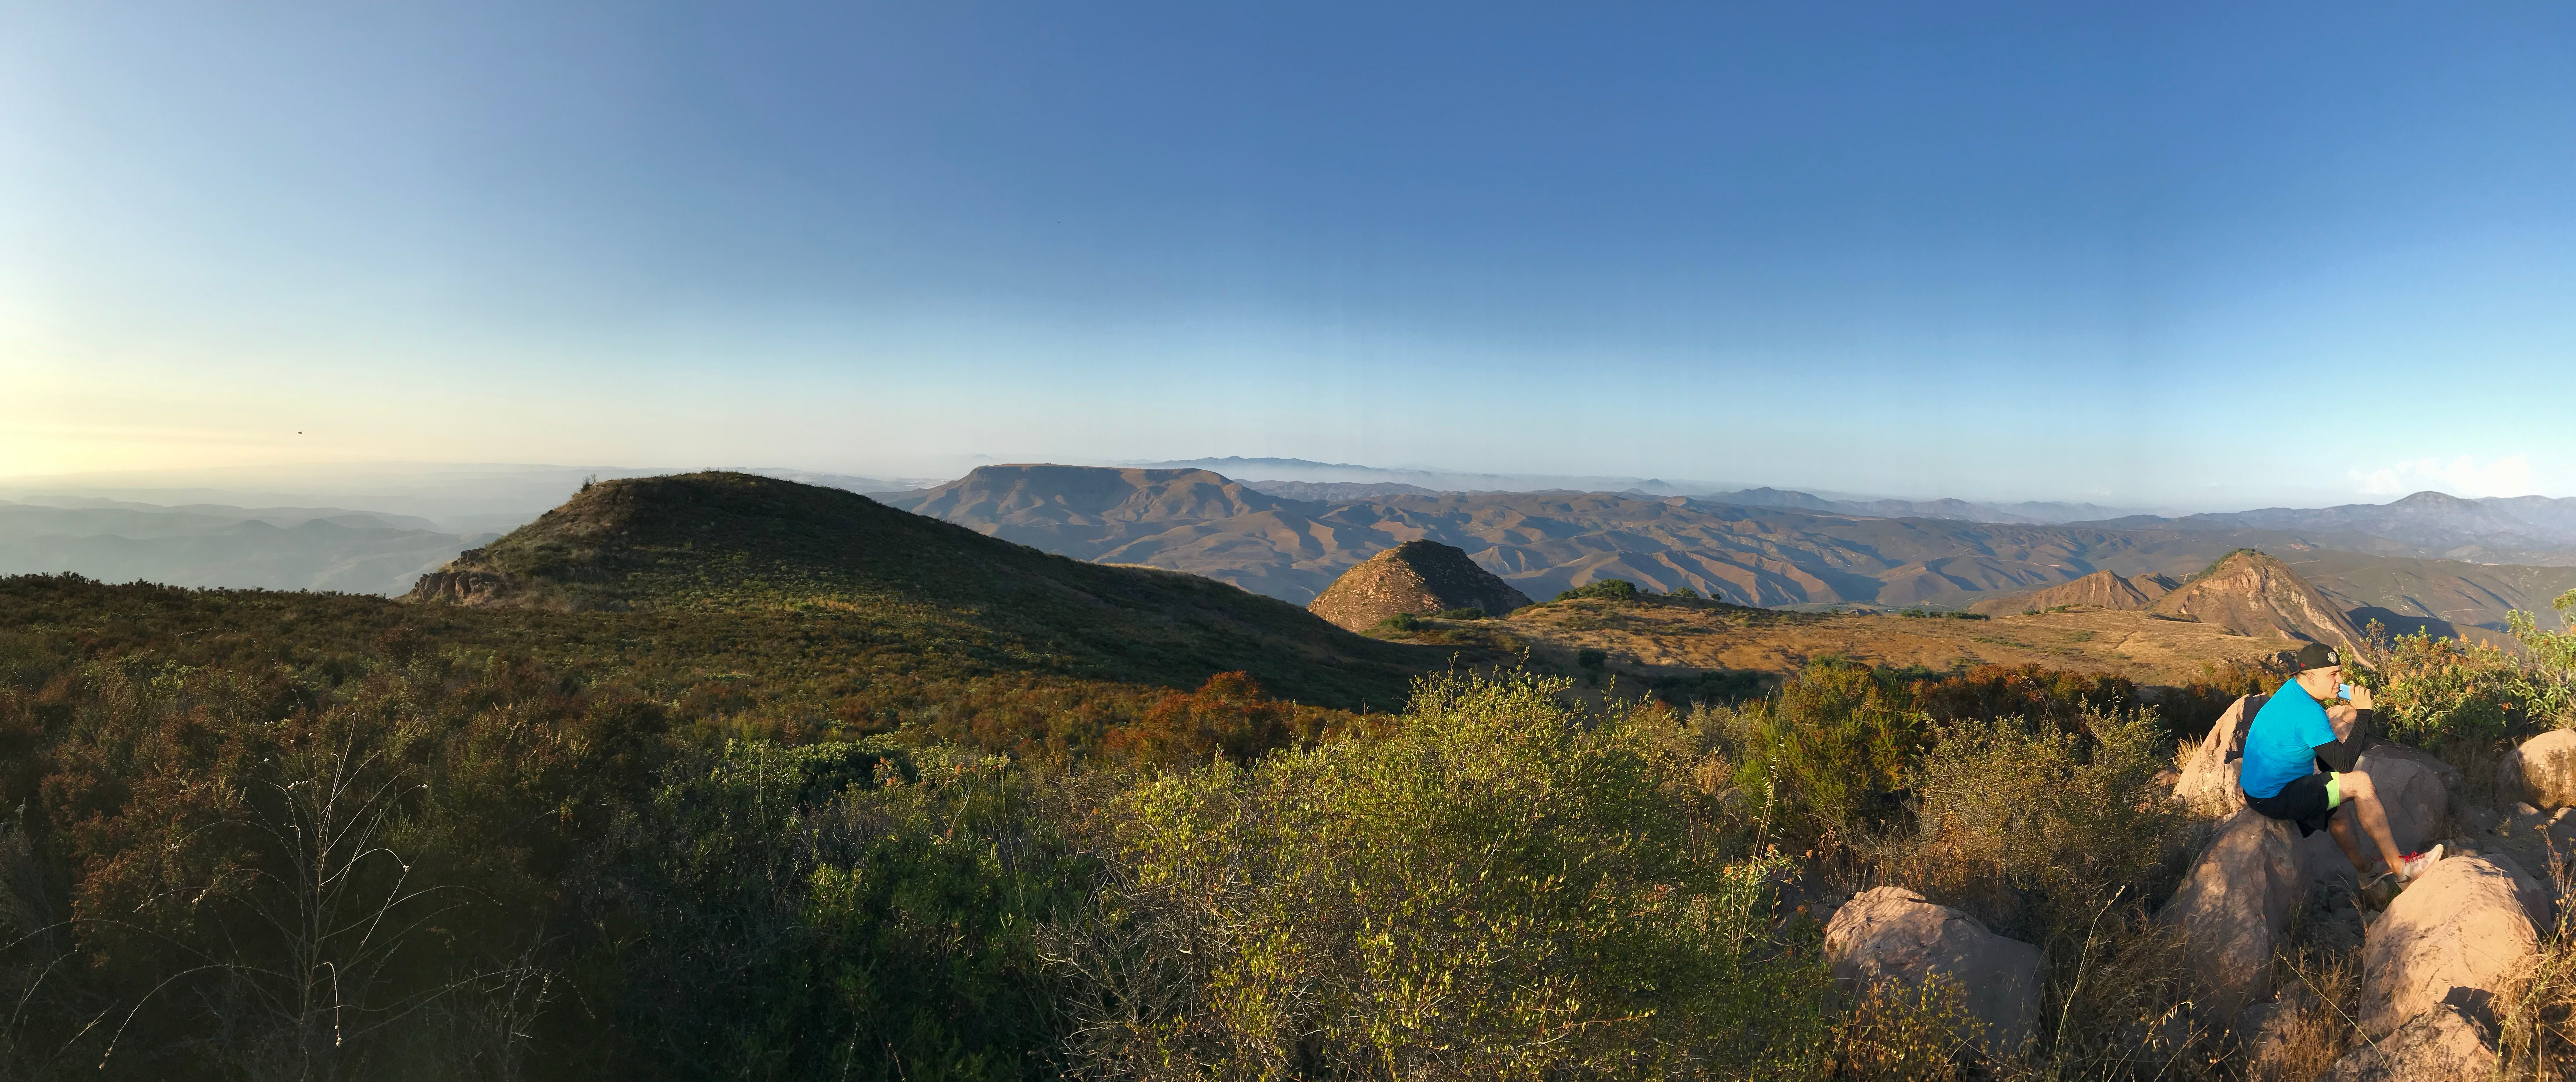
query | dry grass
[1900, 1034]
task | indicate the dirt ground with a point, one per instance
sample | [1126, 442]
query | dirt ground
[1670, 637]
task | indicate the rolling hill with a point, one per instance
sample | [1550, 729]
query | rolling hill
[714, 543]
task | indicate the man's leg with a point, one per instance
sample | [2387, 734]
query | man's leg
[2357, 791]
[2341, 827]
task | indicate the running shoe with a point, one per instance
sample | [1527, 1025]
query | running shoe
[2416, 863]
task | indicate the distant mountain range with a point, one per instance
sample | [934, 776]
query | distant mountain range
[2428, 560]
[1777, 554]
[1267, 470]
[277, 548]
[2520, 529]
[1957, 510]
[1297, 478]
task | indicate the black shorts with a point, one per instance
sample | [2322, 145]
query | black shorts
[2302, 801]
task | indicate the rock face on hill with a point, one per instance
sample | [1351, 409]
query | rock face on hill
[1418, 577]
[2250, 593]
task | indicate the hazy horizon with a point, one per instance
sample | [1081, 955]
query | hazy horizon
[2194, 258]
[478, 489]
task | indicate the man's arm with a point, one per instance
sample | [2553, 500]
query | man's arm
[2352, 728]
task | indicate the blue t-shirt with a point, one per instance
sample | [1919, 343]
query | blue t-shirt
[2282, 746]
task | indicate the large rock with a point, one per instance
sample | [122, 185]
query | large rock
[2208, 782]
[1417, 577]
[2442, 1043]
[1891, 933]
[2538, 902]
[2235, 904]
[2445, 773]
[2454, 936]
[2541, 773]
[2417, 808]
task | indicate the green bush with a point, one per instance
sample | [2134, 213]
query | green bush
[1503, 888]
[1830, 751]
[2034, 827]
[1591, 658]
[839, 911]
[1605, 590]
[1926, 613]
[1402, 622]
[1469, 613]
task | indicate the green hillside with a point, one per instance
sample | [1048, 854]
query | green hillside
[711, 545]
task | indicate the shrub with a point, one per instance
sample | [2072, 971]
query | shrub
[2034, 826]
[1829, 751]
[1227, 716]
[841, 910]
[1399, 623]
[2064, 698]
[1714, 686]
[1469, 613]
[2433, 690]
[1502, 888]
[1591, 658]
[1605, 590]
[1926, 613]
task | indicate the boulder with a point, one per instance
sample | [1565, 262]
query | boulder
[2452, 781]
[2417, 807]
[2235, 904]
[2208, 782]
[2454, 936]
[2538, 901]
[2265, 1030]
[2542, 772]
[2444, 1042]
[1891, 933]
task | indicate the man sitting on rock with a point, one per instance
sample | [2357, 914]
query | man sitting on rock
[2299, 765]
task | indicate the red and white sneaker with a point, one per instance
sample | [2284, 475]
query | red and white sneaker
[2417, 863]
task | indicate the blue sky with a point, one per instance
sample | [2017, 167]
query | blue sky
[2191, 256]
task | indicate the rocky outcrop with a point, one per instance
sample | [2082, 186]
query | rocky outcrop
[1893, 934]
[2541, 773]
[2235, 905]
[463, 582]
[1417, 577]
[2454, 936]
[2250, 593]
[2444, 1042]
[2208, 783]
[2414, 799]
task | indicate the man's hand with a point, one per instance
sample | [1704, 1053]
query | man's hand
[2361, 698]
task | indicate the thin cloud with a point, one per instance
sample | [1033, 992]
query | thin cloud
[2462, 476]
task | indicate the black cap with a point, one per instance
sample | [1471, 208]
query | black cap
[2317, 655]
